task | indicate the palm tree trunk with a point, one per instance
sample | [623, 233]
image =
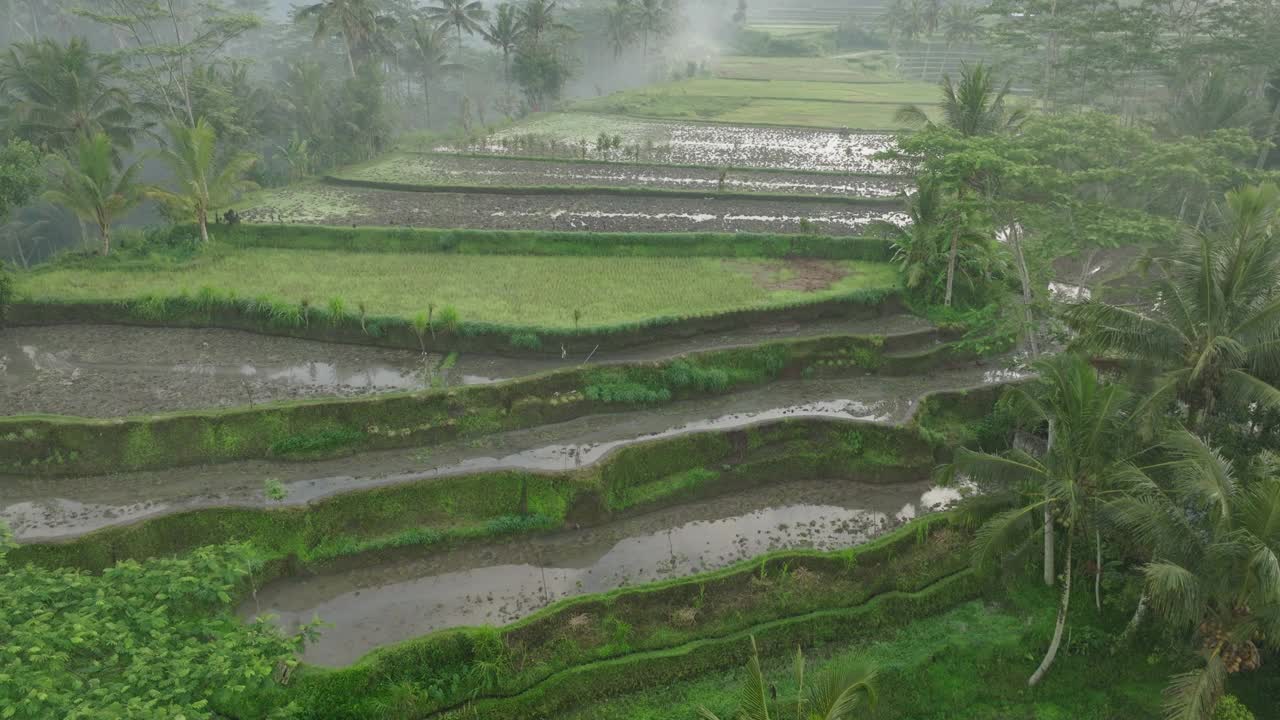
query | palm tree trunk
[1271, 133]
[202, 216]
[1139, 614]
[1061, 623]
[1049, 550]
[1015, 239]
[104, 229]
[951, 264]
[351, 56]
[1097, 571]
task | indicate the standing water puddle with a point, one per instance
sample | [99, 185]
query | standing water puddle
[372, 606]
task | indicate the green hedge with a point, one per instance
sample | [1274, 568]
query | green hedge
[614, 190]
[53, 445]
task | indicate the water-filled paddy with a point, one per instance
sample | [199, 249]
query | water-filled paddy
[377, 605]
[51, 508]
[442, 169]
[330, 205]
[114, 370]
[690, 143]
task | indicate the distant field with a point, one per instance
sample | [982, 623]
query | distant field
[775, 102]
[871, 66]
[520, 290]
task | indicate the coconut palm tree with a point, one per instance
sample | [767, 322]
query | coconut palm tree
[359, 22]
[918, 245]
[961, 23]
[837, 695]
[1085, 463]
[462, 15]
[428, 56]
[1215, 569]
[90, 185]
[504, 32]
[620, 23]
[57, 95]
[1215, 102]
[1213, 334]
[202, 185]
[971, 106]
[652, 16]
[539, 17]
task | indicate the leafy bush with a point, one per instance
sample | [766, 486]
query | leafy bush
[526, 341]
[1230, 708]
[317, 441]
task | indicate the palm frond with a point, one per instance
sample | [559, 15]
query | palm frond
[1192, 695]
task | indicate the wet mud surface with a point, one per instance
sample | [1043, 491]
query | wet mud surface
[332, 205]
[688, 143]
[498, 171]
[498, 583]
[117, 370]
[59, 508]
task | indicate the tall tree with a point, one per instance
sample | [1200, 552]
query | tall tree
[652, 17]
[539, 18]
[90, 186]
[428, 57]
[504, 32]
[919, 244]
[1214, 334]
[202, 186]
[961, 24]
[358, 21]
[1214, 573]
[56, 95]
[972, 106]
[462, 15]
[20, 177]
[620, 23]
[1088, 427]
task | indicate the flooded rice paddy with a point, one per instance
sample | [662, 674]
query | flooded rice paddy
[452, 170]
[566, 135]
[56, 508]
[332, 205]
[497, 583]
[115, 370]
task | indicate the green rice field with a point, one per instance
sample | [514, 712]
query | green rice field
[522, 290]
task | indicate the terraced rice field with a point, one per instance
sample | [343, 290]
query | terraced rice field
[690, 143]
[861, 67]
[519, 290]
[318, 204]
[441, 169]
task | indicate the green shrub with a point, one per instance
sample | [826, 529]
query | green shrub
[449, 320]
[526, 341]
[317, 441]
[1230, 708]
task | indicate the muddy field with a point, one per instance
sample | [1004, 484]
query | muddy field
[571, 135]
[114, 370]
[498, 583]
[423, 169]
[328, 205]
[52, 508]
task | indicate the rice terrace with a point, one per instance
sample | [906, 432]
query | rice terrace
[639, 360]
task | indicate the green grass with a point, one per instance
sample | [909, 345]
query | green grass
[774, 102]
[860, 67]
[521, 290]
[970, 662]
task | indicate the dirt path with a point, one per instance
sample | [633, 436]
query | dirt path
[117, 370]
[48, 509]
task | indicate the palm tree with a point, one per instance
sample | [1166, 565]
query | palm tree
[202, 186]
[1085, 462]
[918, 244]
[971, 106]
[1212, 104]
[961, 23]
[904, 19]
[462, 15]
[504, 32]
[539, 17]
[837, 695]
[1214, 333]
[620, 23]
[92, 187]
[652, 16]
[57, 95]
[357, 20]
[429, 58]
[1215, 567]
